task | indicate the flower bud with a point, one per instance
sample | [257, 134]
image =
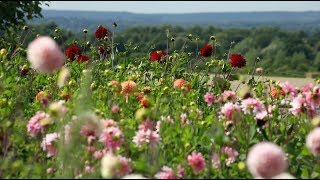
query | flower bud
[85, 31]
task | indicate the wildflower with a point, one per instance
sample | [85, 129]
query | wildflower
[101, 32]
[228, 96]
[45, 55]
[229, 110]
[146, 137]
[165, 173]
[266, 160]
[276, 93]
[182, 84]
[115, 109]
[83, 58]
[35, 126]
[73, 52]
[157, 55]
[47, 144]
[237, 60]
[252, 105]
[124, 168]
[232, 154]
[313, 141]
[127, 88]
[112, 138]
[196, 161]
[209, 98]
[206, 51]
[88, 169]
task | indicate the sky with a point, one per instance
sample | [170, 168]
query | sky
[152, 7]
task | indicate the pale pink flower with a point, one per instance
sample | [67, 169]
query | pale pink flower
[209, 98]
[45, 55]
[98, 154]
[228, 96]
[264, 113]
[115, 109]
[124, 168]
[200, 114]
[266, 160]
[34, 126]
[298, 105]
[196, 161]
[145, 137]
[313, 141]
[147, 124]
[183, 119]
[108, 123]
[91, 149]
[165, 173]
[50, 170]
[216, 161]
[307, 87]
[47, 144]
[181, 172]
[229, 109]
[112, 138]
[232, 154]
[289, 88]
[252, 106]
[88, 169]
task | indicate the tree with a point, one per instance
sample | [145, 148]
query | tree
[14, 13]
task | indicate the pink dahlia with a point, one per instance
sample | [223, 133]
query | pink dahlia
[251, 106]
[228, 96]
[229, 110]
[266, 160]
[196, 161]
[47, 144]
[166, 173]
[209, 98]
[313, 141]
[112, 138]
[124, 168]
[145, 137]
[34, 126]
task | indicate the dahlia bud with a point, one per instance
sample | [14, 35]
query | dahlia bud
[75, 42]
[115, 24]
[106, 38]
[213, 38]
[3, 52]
[55, 38]
[88, 43]
[63, 76]
[172, 39]
[258, 59]
[38, 35]
[25, 28]
[85, 31]
[241, 165]
[259, 70]
[57, 30]
[189, 37]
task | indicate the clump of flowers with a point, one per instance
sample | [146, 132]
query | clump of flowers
[101, 32]
[73, 52]
[237, 60]
[157, 56]
[206, 51]
[48, 144]
[196, 161]
[35, 126]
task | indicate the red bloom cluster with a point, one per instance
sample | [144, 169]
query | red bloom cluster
[72, 52]
[237, 60]
[101, 32]
[206, 50]
[83, 58]
[157, 55]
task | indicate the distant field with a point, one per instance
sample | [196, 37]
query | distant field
[297, 82]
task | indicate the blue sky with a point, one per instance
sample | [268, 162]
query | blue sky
[150, 7]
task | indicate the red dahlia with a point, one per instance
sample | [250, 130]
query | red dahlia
[72, 52]
[206, 50]
[237, 60]
[157, 55]
[83, 58]
[104, 51]
[101, 32]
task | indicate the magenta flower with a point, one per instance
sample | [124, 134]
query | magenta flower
[229, 109]
[232, 154]
[124, 168]
[196, 161]
[313, 141]
[115, 109]
[34, 126]
[112, 138]
[166, 173]
[209, 98]
[266, 160]
[47, 144]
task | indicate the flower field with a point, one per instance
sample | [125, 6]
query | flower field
[89, 111]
